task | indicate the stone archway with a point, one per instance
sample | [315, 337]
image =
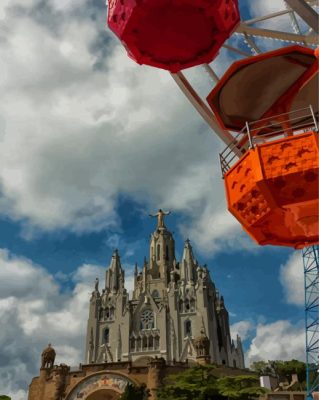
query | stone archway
[104, 385]
[103, 394]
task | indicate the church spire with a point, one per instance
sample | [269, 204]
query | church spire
[114, 280]
[188, 263]
[162, 249]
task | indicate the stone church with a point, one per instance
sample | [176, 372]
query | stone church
[173, 303]
[174, 318]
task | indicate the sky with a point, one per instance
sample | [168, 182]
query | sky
[90, 144]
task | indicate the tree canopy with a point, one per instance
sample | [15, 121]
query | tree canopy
[200, 383]
[241, 387]
[283, 370]
[134, 393]
[3, 397]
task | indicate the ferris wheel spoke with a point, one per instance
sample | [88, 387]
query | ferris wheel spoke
[309, 40]
[203, 109]
[293, 19]
[211, 73]
[236, 50]
[251, 44]
[306, 12]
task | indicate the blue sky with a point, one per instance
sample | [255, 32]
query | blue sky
[90, 144]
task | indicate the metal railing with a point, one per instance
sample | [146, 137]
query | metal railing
[267, 129]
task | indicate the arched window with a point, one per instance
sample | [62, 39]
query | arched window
[144, 343]
[166, 254]
[188, 328]
[187, 306]
[158, 252]
[155, 294]
[106, 335]
[147, 319]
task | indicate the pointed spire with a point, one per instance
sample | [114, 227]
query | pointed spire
[115, 275]
[188, 252]
[135, 269]
[188, 263]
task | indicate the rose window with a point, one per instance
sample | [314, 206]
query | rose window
[147, 319]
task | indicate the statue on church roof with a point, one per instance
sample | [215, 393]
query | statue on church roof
[160, 217]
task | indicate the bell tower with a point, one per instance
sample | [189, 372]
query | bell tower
[162, 249]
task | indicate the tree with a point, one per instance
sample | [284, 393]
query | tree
[194, 383]
[260, 367]
[134, 393]
[3, 397]
[284, 371]
[200, 383]
[242, 387]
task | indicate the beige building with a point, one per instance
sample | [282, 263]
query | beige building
[175, 317]
[172, 304]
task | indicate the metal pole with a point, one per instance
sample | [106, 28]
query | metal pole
[314, 117]
[203, 109]
[251, 145]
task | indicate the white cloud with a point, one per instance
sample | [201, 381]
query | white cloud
[215, 228]
[292, 279]
[280, 340]
[77, 130]
[35, 311]
[241, 328]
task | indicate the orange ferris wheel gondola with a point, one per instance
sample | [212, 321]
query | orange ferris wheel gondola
[273, 189]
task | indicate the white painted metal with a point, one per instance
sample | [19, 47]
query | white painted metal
[283, 36]
[202, 108]
[306, 12]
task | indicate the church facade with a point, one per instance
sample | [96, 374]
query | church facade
[174, 307]
[174, 317]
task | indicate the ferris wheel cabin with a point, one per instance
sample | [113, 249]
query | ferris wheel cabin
[271, 101]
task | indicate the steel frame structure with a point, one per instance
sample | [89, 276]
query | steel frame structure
[311, 274]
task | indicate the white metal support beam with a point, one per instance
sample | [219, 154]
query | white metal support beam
[275, 14]
[271, 34]
[306, 12]
[203, 109]
[212, 74]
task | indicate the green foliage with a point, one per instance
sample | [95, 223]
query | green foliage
[284, 369]
[134, 393]
[200, 383]
[259, 366]
[3, 397]
[193, 383]
[242, 387]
